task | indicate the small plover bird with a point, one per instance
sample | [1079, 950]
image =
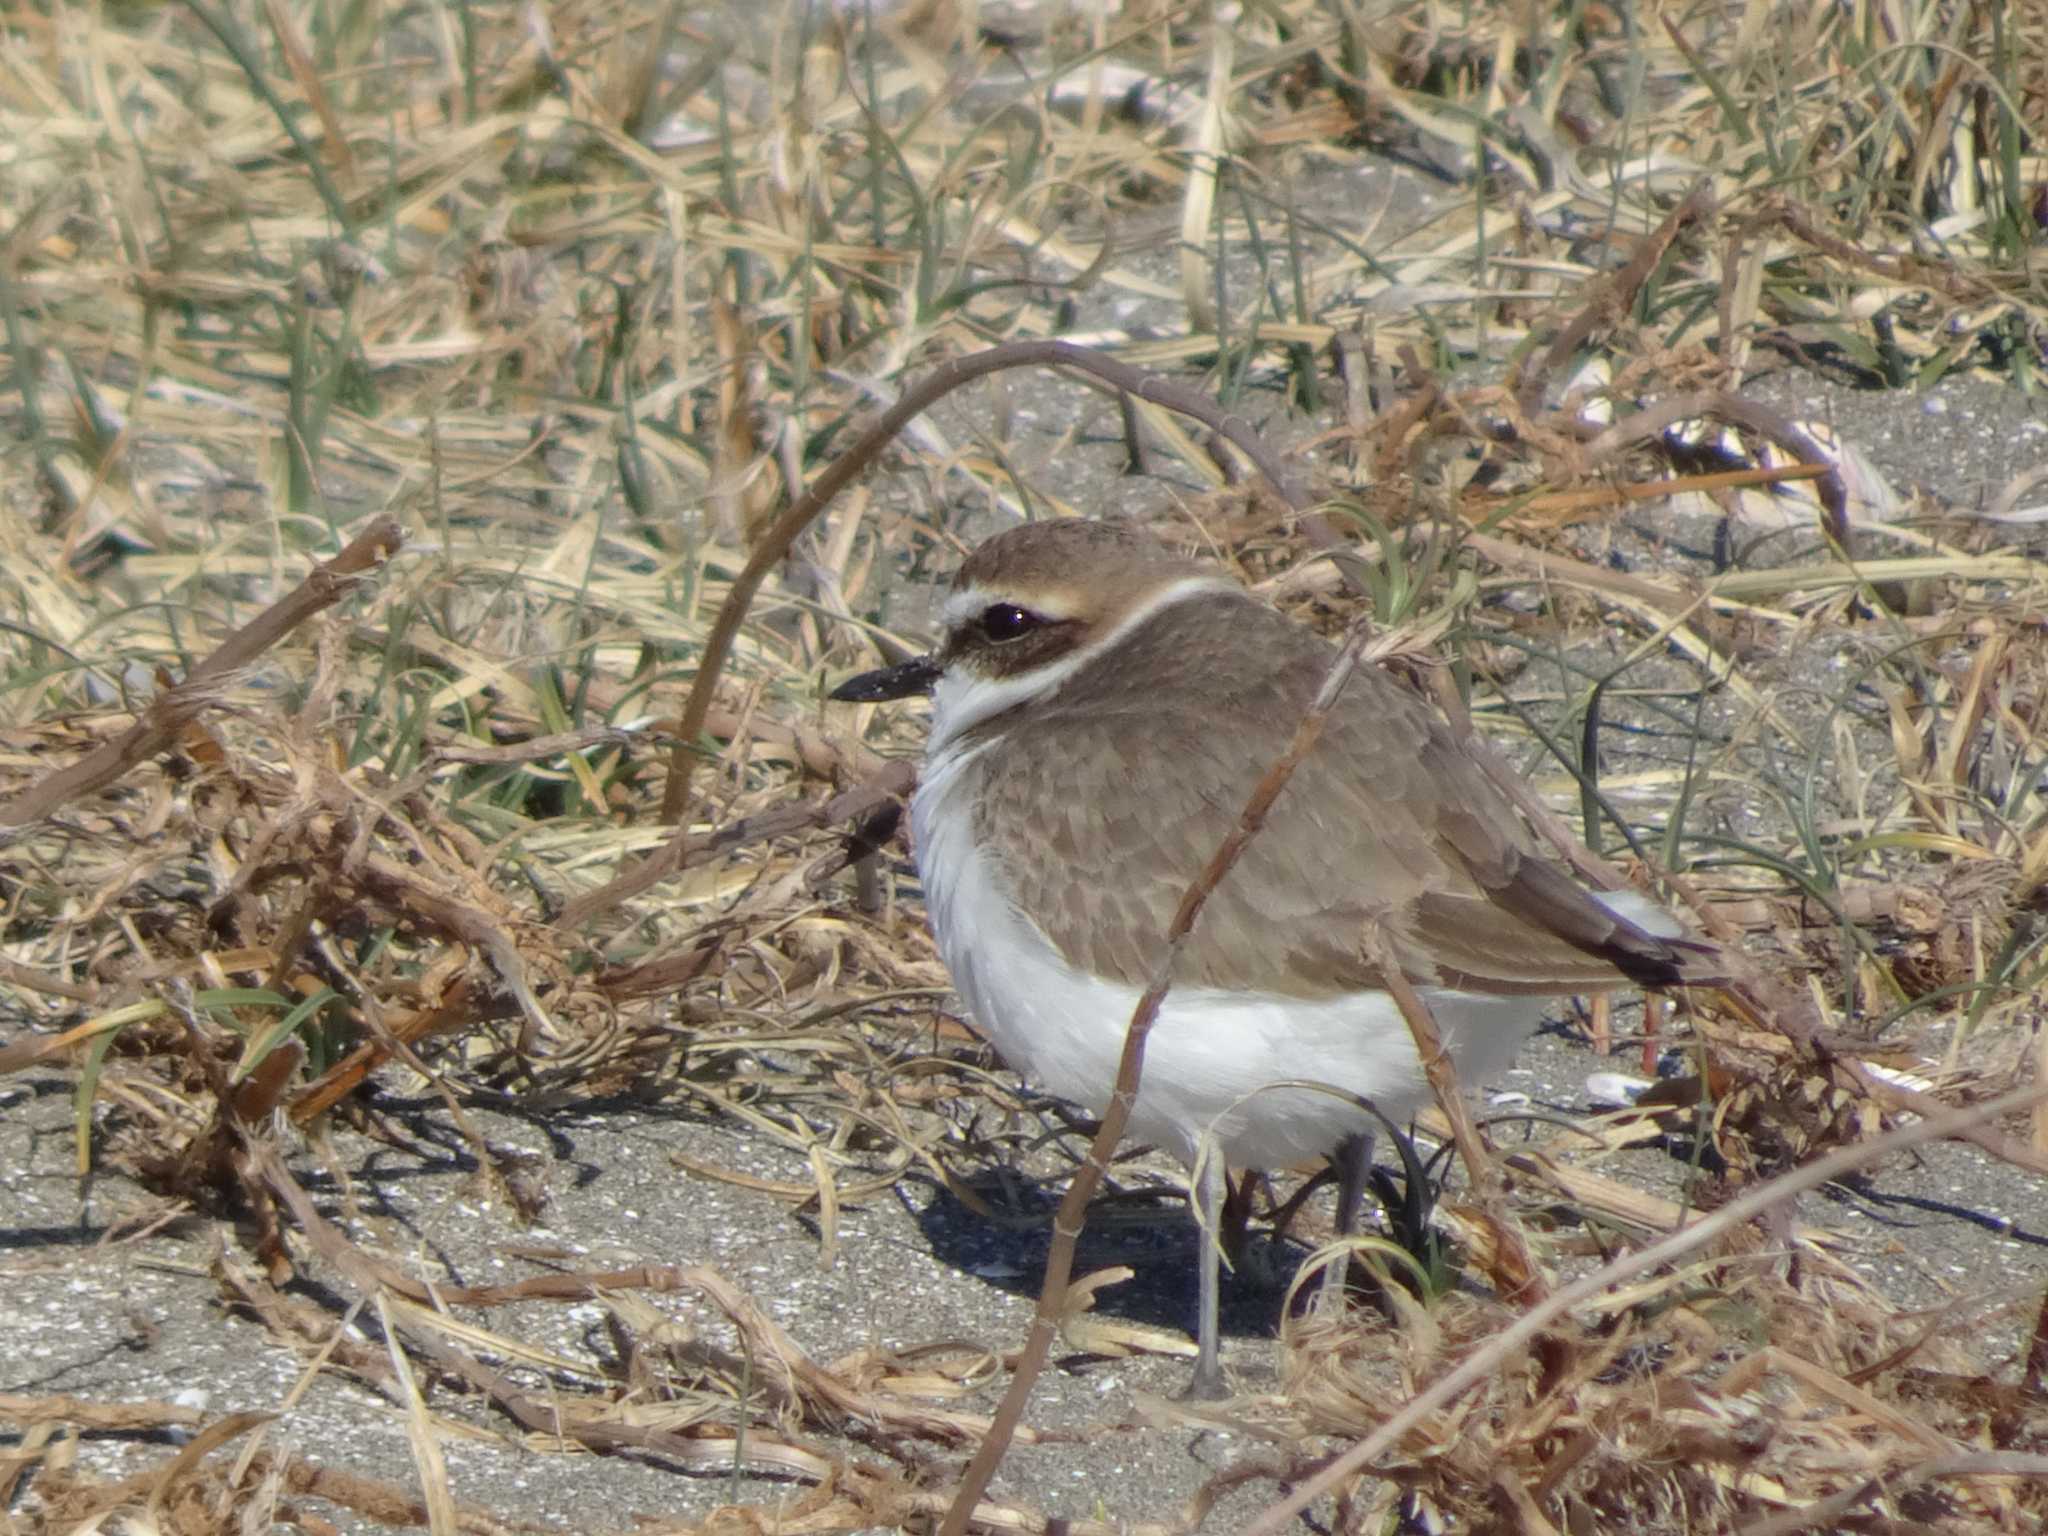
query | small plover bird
[1101, 710]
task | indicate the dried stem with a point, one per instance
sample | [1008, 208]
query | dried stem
[176, 707]
[777, 539]
[1072, 1214]
[1614, 295]
[1442, 1073]
[1503, 1346]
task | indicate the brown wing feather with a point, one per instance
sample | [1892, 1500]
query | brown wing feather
[1386, 822]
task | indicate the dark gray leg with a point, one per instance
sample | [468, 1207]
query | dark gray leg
[1207, 1193]
[1353, 1162]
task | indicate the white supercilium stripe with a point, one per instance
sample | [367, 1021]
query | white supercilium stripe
[962, 701]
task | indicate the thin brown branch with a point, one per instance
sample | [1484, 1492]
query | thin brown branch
[1826, 1514]
[1513, 1261]
[176, 707]
[655, 977]
[1614, 295]
[1555, 508]
[458, 1008]
[782, 1366]
[1911, 1101]
[125, 1417]
[1073, 1210]
[777, 539]
[1504, 1346]
[29, 979]
[1653, 420]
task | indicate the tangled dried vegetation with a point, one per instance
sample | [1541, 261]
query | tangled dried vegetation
[516, 330]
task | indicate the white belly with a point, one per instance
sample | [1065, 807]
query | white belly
[1210, 1052]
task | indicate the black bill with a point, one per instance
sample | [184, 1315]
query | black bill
[918, 675]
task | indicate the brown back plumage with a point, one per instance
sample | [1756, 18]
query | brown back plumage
[1387, 822]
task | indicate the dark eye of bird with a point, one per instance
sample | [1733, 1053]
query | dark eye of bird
[1006, 621]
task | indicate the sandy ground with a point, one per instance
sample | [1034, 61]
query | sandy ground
[142, 1319]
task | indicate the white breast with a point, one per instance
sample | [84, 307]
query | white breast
[1210, 1052]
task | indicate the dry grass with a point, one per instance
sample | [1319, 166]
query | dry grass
[580, 296]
